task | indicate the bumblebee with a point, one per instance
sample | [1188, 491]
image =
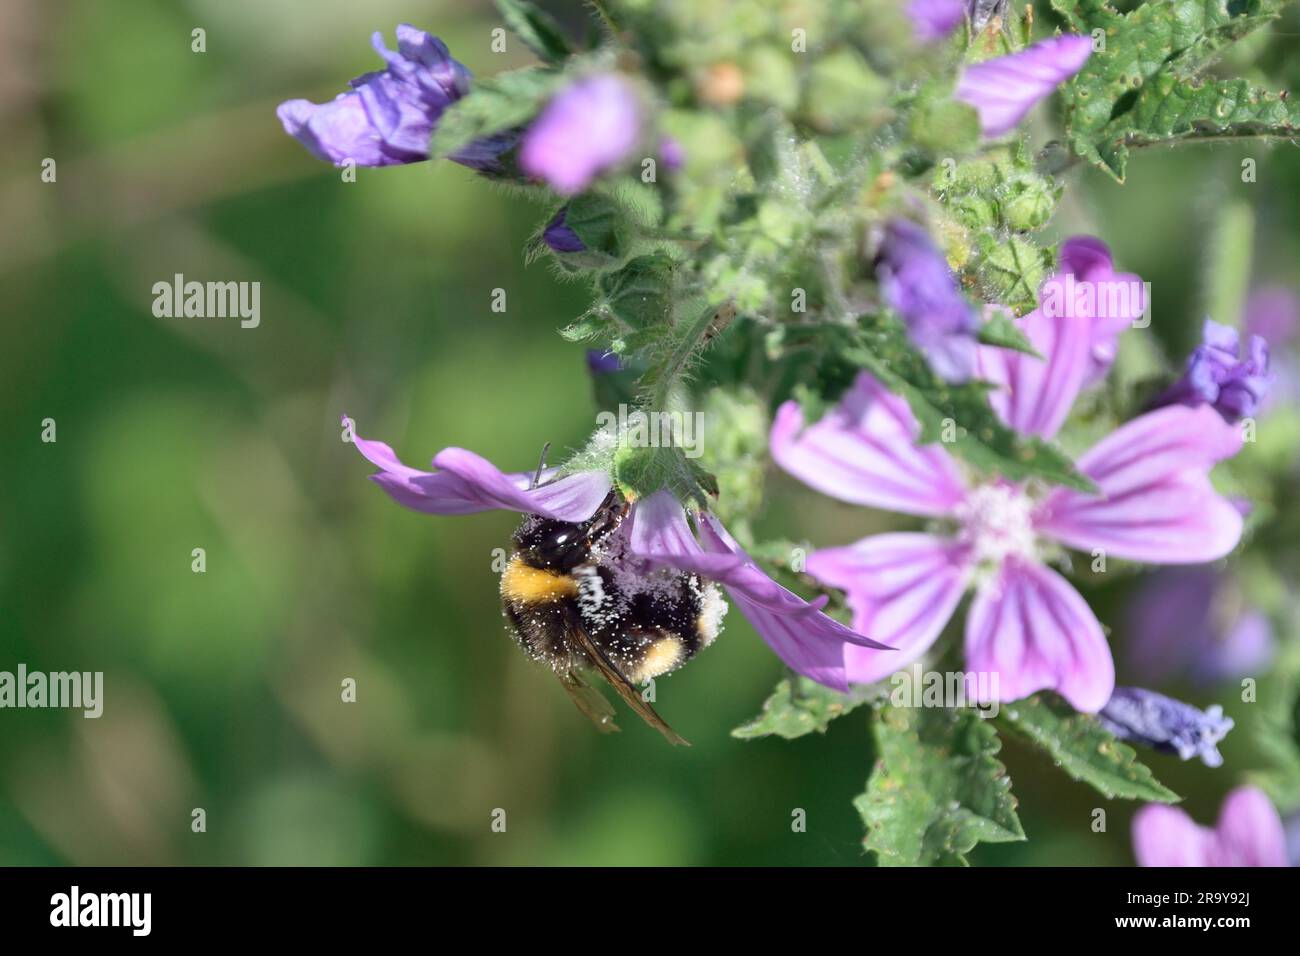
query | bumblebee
[576, 599]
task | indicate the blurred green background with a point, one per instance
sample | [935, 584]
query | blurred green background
[223, 688]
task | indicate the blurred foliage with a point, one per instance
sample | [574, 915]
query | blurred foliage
[223, 688]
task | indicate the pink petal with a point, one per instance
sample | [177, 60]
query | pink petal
[865, 452]
[1004, 89]
[1249, 832]
[796, 630]
[1088, 259]
[469, 483]
[1034, 395]
[571, 498]
[1156, 502]
[661, 534]
[1167, 836]
[1035, 631]
[903, 589]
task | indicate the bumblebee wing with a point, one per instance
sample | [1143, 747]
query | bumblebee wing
[589, 700]
[578, 633]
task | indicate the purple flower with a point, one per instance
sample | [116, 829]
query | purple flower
[601, 362]
[1218, 375]
[1088, 287]
[672, 153]
[1184, 623]
[1004, 89]
[1167, 725]
[660, 534]
[1249, 833]
[559, 237]
[1154, 502]
[387, 117]
[588, 128]
[935, 19]
[917, 283]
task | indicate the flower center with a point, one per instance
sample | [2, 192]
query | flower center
[997, 523]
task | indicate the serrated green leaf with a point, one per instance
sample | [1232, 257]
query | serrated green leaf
[1001, 332]
[1170, 109]
[494, 104]
[536, 28]
[1139, 90]
[794, 711]
[1085, 750]
[957, 412]
[937, 788]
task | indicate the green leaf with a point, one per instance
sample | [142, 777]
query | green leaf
[1011, 270]
[937, 788]
[1141, 89]
[494, 104]
[957, 412]
[1171, 109]
[640, 293]
[1081, 747]
[1001, 332]
[792, 712]
[633, 307]
[536, 28]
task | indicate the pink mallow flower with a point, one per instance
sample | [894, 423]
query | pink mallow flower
[589, 127]
[1154, 503]
[659, 534]
[1004, 89]
[1249, 833]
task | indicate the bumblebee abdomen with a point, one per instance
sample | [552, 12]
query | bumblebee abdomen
[646, 623]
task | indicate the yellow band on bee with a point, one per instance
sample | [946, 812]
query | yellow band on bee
[529, 585]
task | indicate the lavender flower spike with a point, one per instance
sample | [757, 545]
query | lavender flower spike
[917, 283]
[387, 117]
[1248, 833]
[1217, 374]
[1004, 89]
[1167, 725]
[588, 128]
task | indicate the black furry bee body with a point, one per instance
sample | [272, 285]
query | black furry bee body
[576, 600]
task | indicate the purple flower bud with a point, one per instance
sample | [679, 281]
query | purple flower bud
[917, 283]
[560, 237]
[671, 153]
[1004, 89]
[601, 362]
[1164, 724]
[588, 128]
[387, 117]
[1218, 375]
[933, 20]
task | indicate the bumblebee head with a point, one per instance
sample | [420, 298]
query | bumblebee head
[553, 545]
[561, 545]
